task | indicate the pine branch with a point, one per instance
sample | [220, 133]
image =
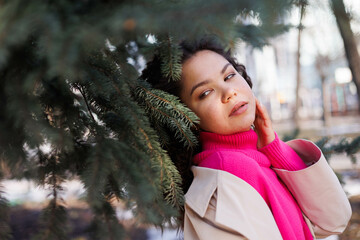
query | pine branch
[105, 225]
[345, 145]
[171, 59]
[5, 230]
[97, 170]
[54, 221]
[78, 87]
[128, 153]
[167, 110]
[158, 161]
[169, 175]
[54, 217]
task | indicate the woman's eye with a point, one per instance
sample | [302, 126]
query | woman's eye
[229, 76]
[204, 94]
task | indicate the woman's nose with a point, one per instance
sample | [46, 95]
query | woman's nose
[228, 94]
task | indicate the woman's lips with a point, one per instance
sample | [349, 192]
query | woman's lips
[239, 108]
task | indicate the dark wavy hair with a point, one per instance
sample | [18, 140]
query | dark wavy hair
[153, 74]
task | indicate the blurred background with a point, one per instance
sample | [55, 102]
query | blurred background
[305, 72]
[303, 78]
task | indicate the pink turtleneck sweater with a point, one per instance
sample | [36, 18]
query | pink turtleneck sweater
[238, 155]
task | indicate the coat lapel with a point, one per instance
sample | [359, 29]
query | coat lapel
[238, 205]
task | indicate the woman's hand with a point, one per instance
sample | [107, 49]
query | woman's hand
[263, 126]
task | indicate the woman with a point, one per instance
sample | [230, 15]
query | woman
[248, 184]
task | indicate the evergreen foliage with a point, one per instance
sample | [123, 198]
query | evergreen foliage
[54, 222]
[171, 59]
[5, 231]
[346, 145]
[72, 104]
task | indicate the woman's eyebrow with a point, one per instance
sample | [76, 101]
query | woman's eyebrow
[207, 81]
[198, 85]
[224, 68]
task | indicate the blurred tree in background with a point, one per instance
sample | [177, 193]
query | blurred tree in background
[343, 19]
[301, 4]
[72, 104]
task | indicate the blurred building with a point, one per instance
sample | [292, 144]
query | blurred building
[326, 87]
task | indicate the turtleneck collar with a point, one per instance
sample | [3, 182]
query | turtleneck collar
[213, 141]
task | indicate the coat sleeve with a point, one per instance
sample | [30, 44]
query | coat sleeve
[317, 191]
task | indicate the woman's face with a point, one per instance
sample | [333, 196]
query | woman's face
[217, 93]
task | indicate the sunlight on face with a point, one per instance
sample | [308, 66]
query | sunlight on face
[217, 93]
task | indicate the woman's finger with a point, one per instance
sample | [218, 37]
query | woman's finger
[262, 118]
[260, 110]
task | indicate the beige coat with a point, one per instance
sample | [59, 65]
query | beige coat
[221, 206]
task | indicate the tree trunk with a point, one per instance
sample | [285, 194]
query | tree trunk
[298, 69]
[322, 63]
[352, 54]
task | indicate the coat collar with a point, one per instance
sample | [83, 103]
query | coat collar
[205, 182]
[238, 207]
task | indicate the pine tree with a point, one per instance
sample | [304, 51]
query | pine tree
[70, 81]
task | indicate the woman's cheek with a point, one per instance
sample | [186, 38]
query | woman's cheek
[206, 113]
